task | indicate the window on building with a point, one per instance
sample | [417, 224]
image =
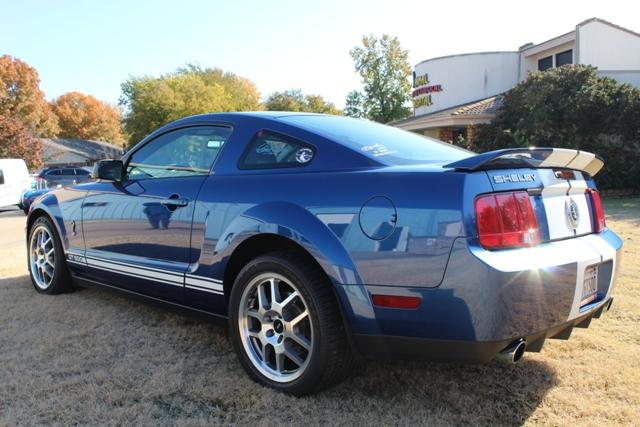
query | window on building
[545, 63]
[564, 58]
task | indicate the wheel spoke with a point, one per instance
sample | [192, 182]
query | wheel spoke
[293, 357]
[288, 299]
[263, 304]
[300, 317]
[50, 251]
[275, 292]
[50, 263]
[301, 340]
[254, 314]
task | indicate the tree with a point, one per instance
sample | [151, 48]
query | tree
[83, 116]
[155, 101]
[22, 99]
[572, 107]
[295, 100]
[354, 106]
[17, 141]
[385, 70]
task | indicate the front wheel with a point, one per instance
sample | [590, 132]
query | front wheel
[47, 266]
[285, 325]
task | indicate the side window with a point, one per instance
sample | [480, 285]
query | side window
[68, 172]
[1, 177]
[55, 172]
[82, 172]
[184, 152]
[272, 150]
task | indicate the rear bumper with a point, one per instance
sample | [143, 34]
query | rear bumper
[487, 300]
[397, 347]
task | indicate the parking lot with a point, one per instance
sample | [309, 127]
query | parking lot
[92, 357]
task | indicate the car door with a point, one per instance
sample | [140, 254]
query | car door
[137, 232]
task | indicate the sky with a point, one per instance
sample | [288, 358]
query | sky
[93, 46]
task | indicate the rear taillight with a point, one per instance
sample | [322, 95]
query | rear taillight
[506, 220]
[597, 210]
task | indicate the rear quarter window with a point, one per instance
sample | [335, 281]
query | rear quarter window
[269, 150]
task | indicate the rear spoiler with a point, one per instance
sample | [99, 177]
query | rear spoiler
[511, 158]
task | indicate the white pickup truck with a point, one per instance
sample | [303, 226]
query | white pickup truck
[14, 180]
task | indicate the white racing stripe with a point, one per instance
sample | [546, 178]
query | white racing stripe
[134, 270]
[204, 284]
[581, 161]
[559, 156]
[573, 159]
[192, 281]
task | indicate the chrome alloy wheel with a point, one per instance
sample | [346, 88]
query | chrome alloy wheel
[42, 257]
[275, 327]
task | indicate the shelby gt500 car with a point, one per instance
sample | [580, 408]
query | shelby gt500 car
[325, 238]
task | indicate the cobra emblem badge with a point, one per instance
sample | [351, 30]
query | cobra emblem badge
[572, 213]
[304, 155]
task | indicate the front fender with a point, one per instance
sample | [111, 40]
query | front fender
[49, 205]
[297, 224]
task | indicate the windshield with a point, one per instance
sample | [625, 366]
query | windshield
[386, 144]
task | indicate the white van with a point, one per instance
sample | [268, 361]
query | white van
[14, 180]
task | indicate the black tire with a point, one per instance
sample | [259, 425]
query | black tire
[330, 359]
[60, 281]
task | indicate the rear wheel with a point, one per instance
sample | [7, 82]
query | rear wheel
[285, 325]
[47, 266]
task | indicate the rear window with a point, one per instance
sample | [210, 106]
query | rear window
[82, 172]
[386, 144]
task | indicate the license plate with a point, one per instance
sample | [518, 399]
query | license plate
[590, 285]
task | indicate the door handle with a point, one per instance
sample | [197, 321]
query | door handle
[174, 201]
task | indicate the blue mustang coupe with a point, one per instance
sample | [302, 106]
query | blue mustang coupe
[325, 238]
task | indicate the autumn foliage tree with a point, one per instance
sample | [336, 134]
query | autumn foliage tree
[17, 142]
[151, 102]
[24, 113]
[83, 116]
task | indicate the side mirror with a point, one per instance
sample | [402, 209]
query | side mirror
[110, 170]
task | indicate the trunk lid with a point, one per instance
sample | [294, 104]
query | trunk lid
[557, 181]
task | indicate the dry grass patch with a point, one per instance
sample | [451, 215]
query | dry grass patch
[94, 358]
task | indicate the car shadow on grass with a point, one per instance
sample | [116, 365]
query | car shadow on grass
[135, 363]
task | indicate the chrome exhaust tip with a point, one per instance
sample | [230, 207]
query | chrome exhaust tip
[513, 352]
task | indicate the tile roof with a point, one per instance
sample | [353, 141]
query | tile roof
[484, 106]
